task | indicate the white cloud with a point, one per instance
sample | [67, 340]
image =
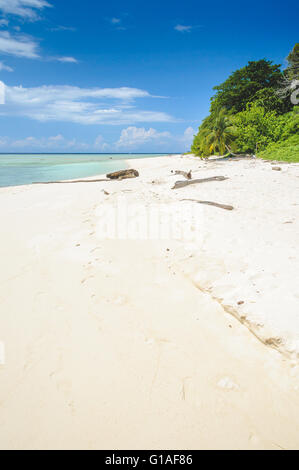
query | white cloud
[117, 23]
[136, 136]
[21, 45]
[183, 28]
[100, 145]
[26, 9]
[18, 45]
[4, 141]
[131, 138]
[115, 20]
[188, 136]
[45, 94]
[58, 142]
[63, 28]
[23, 143]
[99, 141]
[5, 68]
[56, 138]
[70, 60]
[80, 105]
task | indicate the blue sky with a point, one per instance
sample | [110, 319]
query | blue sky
[130, 76]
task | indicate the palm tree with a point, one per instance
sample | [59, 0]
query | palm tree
[219, 134]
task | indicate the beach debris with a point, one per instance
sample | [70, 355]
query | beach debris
[187, 175]
[123, 174]
[241, 302]
[274, 342]
[105, 192]
[276, 168]
[210, 203]
[158, 181]
[182, 184]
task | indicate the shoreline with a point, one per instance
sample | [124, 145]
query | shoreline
[274, 340]
[94, 175]
[97, 322]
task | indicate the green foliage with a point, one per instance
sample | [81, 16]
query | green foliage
[252, 112]
[289, 124]
[286, 150]
[214, 136]
[293, 58]
[219, 135]
[243, 84]
[269, 99]
[255, 128]
[199, 146]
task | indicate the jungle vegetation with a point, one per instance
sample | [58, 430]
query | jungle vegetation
[255, 111]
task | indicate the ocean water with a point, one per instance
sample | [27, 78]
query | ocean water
[20, 169]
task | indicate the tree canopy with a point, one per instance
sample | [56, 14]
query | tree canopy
[252, 110]
[293, 60]
[243, 84]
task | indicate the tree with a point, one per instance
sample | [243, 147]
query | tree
[269, 99]
[199, 146]
[253, 109]
[243, 84]
[293, 60]
[255, 128]
[289, 83]
[215, 135]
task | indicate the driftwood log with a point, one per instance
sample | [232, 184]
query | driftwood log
[122, 174]
[210, 203]
[182, 184]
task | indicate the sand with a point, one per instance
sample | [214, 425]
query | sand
[187, 343]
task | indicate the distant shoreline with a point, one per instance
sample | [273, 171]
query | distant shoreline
[88, 153]
[19, 169]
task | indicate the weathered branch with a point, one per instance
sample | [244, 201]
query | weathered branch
[210, 203]
[188, 175]
[182, 184]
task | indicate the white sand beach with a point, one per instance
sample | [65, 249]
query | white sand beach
[152, 344]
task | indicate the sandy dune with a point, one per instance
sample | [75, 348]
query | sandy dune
[130, 344]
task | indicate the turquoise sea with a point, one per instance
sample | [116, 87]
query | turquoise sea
[20, 169]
